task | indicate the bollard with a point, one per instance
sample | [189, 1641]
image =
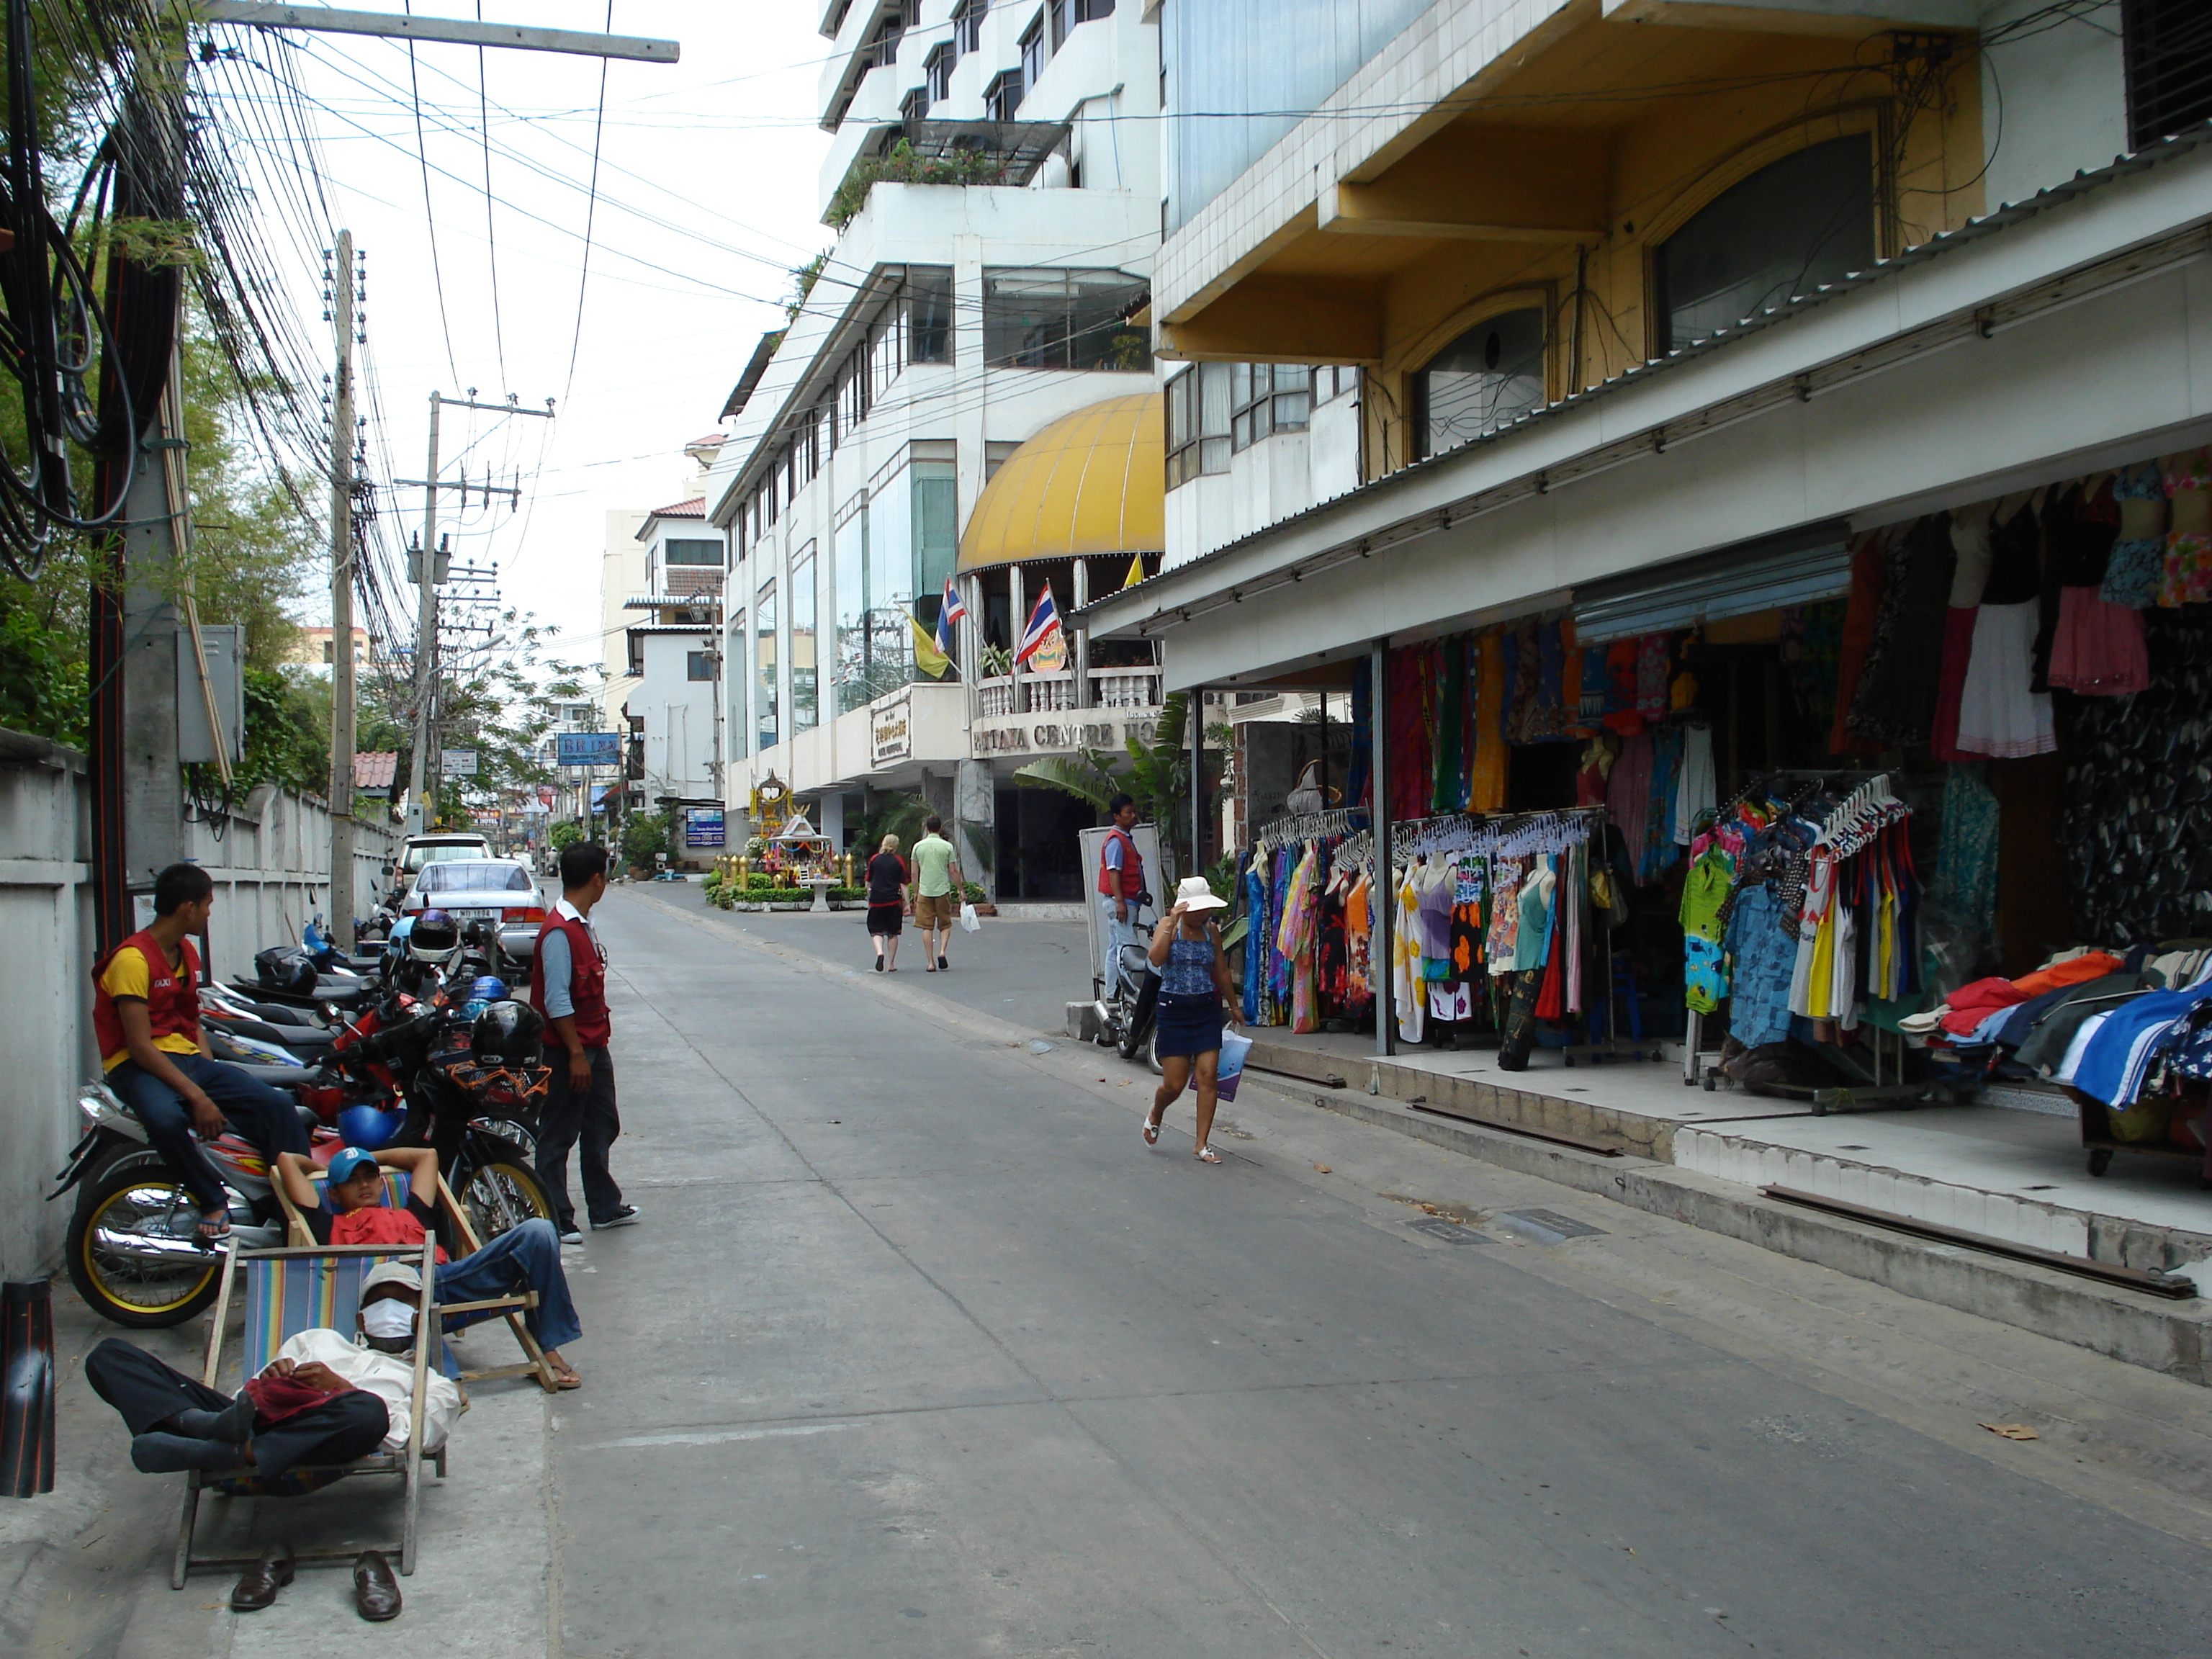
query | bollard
[27, 1388]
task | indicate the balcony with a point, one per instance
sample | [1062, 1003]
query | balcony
[1050, 694]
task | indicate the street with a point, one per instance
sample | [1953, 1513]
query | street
[917, 1347]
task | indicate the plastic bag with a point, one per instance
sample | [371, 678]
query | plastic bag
[1234, 1049]
[970, 922]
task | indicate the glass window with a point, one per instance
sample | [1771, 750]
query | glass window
[1267, 398]
[805, 694]
[936, 537]
[1063, 319]
[1002, 99]
[474, 878]
[698, 665]
[1198, 423]
[928, 302]
[943, 57]
[734, 725]
[915, 106]
[852, 654]
[1491, 374]
[1332, 381]
[691, 552]
[765, 699]
[968, 24]
[1061, 14]
[1806, 220]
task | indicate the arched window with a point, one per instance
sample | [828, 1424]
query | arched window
[1491, 374]
[1806, 220]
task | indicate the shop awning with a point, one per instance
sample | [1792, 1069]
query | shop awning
[1092, 482]
[1798, 566]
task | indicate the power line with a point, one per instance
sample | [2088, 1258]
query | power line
[590, 215]
[430, 213]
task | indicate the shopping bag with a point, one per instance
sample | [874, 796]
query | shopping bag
[970, 922]
[1233, 1050]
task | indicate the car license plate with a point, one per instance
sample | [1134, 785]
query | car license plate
[477, 915]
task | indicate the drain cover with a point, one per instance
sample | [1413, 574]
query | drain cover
[1450, 1231]
[1548, 1226]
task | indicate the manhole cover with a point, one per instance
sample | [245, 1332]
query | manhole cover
[1450, 1231]
[1548, 1226]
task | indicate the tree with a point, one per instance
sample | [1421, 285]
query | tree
[1157, 775]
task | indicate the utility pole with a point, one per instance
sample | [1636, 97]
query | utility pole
[343, 284]
[430, 569]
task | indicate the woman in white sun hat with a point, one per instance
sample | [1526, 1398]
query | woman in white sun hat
[1195, 992]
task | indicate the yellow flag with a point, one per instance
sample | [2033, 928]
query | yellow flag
[1136, 570]
[927, 656]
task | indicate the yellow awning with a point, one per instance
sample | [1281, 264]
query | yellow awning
[1092, 482]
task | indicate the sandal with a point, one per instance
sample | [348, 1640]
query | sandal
[1208, 1155]
[565, 1376]
[211, 1231]
[1151, 1133]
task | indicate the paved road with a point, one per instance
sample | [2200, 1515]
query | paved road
[919, 1351]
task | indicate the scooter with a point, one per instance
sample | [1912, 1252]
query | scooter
[1125, 1005]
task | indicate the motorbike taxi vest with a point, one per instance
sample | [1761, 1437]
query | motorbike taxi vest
[1132, 872]
[587, 981]
[172, 999]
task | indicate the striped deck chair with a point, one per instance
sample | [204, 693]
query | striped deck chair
[287, 1291]
[465, 1237]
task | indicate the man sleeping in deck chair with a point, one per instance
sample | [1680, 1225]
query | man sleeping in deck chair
[527, 1256]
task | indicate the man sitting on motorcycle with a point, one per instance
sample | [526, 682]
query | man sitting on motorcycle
[350, 1209]
[146, 1016]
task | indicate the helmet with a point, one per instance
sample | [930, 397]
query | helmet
[433, 938]
[286, 967]
[488, 988]
[507, 1034]
[369, 1127]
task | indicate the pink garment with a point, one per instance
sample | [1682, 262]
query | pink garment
[2098, 648]
[1628, 789]
[1957, 647]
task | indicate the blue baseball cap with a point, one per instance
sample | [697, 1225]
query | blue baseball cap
[351, 1162]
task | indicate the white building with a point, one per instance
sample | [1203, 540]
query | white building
[952, 323]
[675, 660]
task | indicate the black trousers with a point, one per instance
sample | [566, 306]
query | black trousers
[570, 1117]
[148, 1393]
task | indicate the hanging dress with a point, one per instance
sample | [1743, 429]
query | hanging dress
[1406, 987]
[2098, 649]
[1998, 715]
[1970, 541]
[2187, 574]
[2136, 569]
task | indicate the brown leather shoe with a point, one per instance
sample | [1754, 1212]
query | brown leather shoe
[259, 1584]
[375, 1591]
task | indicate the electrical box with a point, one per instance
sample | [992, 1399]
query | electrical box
[441, 567]
[224, 648]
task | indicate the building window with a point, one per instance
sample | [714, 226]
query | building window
[806, 692]
[1198, 423]
[764, 703]
[1267, 398]
[943, 58]
[928, 300]
[936, 517]
[1806, 219]
[1063, 319]
[1490, 375]
[698, 665]
[968, 24]
[2167, 48]
[915, 106]
[1002, 99]
[733, 716]
[1332, 380]
[674, 551]
[855, 682]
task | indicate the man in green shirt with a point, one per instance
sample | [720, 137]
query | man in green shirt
[936, 871]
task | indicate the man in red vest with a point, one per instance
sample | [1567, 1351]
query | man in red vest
[568, 986]
[1121, 881]
[146, 1018]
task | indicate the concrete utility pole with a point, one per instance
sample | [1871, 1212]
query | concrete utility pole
[344, 281]
[430, 569]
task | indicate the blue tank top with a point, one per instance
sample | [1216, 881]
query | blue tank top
[1189, 969]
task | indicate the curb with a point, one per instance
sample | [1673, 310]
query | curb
[2157, 1336]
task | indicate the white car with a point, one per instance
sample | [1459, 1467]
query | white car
[502, 891]
[418, 852]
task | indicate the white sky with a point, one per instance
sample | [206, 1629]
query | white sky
[706, 199]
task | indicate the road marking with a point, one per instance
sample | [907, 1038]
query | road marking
[719, 1438]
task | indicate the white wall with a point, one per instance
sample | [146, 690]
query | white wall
[679, 717]
[270, 861]
[2054, 101]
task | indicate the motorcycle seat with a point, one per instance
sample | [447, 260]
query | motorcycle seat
[280, 1077]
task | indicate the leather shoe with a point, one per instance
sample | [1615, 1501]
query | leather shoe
[375, 1591]
[259, 1584]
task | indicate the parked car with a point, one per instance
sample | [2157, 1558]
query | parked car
[502, 891]
[417, 852]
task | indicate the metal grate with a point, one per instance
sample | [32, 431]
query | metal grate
[2167, 47]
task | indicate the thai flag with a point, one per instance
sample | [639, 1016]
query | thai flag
[1044, 623]
[949, 611]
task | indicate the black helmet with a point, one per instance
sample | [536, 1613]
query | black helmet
[286, 967]
[433, 938]
[508, 1033]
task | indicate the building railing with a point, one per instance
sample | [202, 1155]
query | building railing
[1125, 687]
[1046, 694]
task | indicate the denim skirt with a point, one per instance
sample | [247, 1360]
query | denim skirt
[1188, 1025]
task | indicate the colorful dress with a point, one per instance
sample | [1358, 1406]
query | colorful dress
[2187, 572]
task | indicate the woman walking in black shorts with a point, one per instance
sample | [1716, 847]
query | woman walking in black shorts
[1194, 991]
[887, 901]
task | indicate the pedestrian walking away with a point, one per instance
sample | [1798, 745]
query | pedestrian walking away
[937, 884]
[569, 988]
[1121, 881]
[1195, 994]
[888, 901]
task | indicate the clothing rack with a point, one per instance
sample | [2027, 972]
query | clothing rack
[1311, 826]
[1509, 834]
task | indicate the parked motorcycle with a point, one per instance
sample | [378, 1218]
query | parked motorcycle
[1125, 1004]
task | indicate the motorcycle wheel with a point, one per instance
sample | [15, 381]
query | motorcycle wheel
[136, 1195]
[1152, 1049]
[501, 1196]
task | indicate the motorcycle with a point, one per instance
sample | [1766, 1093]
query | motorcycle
[1125, 1005]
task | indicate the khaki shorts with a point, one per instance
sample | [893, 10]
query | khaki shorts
[938, 912]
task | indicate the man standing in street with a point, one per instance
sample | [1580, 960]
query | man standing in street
[937, 881]
[1121, 880]
[569, 989]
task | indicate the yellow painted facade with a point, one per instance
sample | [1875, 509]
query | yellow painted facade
[1090, 483]
[1551, 180]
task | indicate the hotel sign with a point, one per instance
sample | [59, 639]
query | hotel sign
[892, 729]
[1050, 738]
